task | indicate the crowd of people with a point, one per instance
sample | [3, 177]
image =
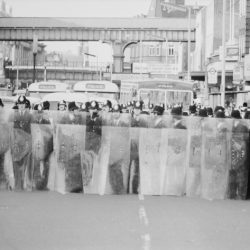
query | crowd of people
[138, 107]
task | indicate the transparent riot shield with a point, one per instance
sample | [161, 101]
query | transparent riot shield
[21, 158]
[42, 147]
[70, 143]
[114, 175]
[239, 169]
[116, 119]
[150, 161]
[215, 158]
[174, 144]
[134, 167]
[6, 167]
[92, 156]
[193, 175]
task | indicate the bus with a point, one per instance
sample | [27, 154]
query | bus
[169, 92]
[95, 89]
[40, 89]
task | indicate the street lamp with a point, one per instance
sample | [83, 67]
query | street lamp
[35, 48]
[223, 73]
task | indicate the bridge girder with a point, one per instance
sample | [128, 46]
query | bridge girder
[83, 34]
[95, 29]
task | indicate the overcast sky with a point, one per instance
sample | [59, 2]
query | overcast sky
[77, 8]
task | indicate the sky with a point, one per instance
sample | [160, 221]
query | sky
[78, 8]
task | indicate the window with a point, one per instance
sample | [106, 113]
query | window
[171, 51]
[154, 50]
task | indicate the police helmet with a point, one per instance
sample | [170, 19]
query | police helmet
[158, 110]
[129, 104]
[203, 112]
[21, 99]
[151, 106]
[72, 106]
[236, 114]
[94, 105]
[177, 110]
[107, 103]
[138, 105]
[117, 108]
[62, 102]
[46, 105]
[192, 109]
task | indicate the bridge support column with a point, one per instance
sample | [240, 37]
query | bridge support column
[118, 56]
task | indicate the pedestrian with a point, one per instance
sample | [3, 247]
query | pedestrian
[21, 153]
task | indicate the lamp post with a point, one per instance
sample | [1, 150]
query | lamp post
[223, 73]
[189, 44]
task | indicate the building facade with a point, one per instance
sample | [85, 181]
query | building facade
[207, 57]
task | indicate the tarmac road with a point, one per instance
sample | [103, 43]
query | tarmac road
[51, 221]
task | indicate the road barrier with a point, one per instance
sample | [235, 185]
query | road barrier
[117, 154]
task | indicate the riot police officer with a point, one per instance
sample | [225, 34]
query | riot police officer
[21, 153]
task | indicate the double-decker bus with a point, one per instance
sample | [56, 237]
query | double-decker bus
[169, 92]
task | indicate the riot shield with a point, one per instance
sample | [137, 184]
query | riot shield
[115, 171]
[150, 161]
[21, 158]
[134, 167]
[193, 175]
[92, 156]
[215, 159]
[239, 169]
[42, 147]
[174, 143]
[70, 142]
[5, 165]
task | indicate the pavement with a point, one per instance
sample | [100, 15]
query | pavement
[51, 221]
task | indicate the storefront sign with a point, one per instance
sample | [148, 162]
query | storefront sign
[238, 73]
[212, 75]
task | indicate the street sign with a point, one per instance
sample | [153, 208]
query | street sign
[212, 76]
[173, 7]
